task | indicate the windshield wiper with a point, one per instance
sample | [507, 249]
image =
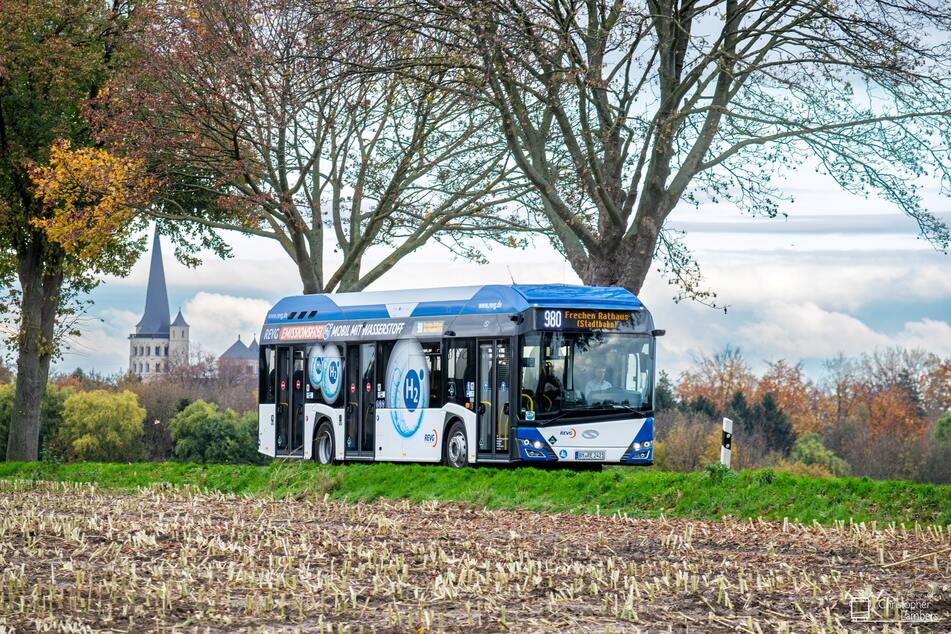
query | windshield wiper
[627, 407]
[590, 411]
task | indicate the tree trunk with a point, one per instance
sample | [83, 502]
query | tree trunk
[308, 276]
[41, 283]
[623, 262]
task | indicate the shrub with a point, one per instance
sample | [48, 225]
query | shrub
[748, 451]
[681, 444]
[6, 415]
[809, 450]
[942, 429]
[717, 472]
[937, 462]
[51, 414]
[802, 469]
[203, 433]
[101, 426]
[165, 396]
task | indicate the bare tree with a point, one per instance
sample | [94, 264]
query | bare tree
[617, 110]
[246, 111]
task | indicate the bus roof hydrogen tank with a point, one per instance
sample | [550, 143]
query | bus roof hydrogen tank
[481, 374]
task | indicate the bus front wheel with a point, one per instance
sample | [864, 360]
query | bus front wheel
[456, 449]
[324, 444]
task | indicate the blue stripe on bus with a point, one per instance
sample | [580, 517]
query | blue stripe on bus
[488, 300]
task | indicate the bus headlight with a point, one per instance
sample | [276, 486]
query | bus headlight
[636, 446]
[647, 444]
[538, 444]
[526, 442]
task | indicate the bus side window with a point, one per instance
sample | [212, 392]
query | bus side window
[433, 353]
[266, 375]
[460, 371]
[383, 351]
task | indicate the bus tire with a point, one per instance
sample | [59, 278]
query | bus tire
[324, 443]
[455, 452]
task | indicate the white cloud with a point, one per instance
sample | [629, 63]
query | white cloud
[833, 282]
[216, 320]
[805, 330]
[103, 344]
[928, 334]
[796, 331]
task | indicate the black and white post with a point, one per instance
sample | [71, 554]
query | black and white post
[726, 443]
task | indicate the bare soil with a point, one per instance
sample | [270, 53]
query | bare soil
[74, 558]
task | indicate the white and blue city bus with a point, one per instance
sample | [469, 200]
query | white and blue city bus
[470, 375]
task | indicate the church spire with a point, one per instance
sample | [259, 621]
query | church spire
[155, 319]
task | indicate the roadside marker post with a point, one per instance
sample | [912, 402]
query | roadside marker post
[726, 443]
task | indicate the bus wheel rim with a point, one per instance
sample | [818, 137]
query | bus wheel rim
[457, 448]
[323, 447]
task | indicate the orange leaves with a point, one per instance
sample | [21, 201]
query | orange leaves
[92, 197]
[794, 395]
[717, 379]
[893, 413]
[936, 385]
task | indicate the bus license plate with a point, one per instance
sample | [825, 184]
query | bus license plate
[589, 455]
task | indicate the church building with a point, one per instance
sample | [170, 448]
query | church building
[241, 358]
[158, 343]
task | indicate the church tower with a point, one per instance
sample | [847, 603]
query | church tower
[178, 340]
[152, 347]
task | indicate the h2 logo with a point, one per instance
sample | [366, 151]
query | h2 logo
[411, 389]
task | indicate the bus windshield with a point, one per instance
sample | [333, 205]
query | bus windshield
[573, 373]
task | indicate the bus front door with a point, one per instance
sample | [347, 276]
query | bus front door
[361, 400]
[289, 419]
[493, 407]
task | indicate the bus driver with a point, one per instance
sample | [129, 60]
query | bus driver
[597, 384]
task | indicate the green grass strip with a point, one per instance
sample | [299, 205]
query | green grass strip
[635, 492]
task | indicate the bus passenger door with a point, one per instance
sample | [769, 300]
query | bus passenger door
[494, 411]
[282, 415]
[361, 401]
[297, 403]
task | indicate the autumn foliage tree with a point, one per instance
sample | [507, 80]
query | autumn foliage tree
[716, 379]
[95, 203]
[892, 414]
[794, 395]
[56, 229]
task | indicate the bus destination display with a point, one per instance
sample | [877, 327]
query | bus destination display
[580, 319]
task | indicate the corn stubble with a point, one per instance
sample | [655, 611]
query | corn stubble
[77, 558]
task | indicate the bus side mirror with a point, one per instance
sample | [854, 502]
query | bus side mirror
[658, 333]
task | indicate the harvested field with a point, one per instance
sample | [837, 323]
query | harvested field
[75, 557]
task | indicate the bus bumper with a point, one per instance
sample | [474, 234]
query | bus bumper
[579, 443]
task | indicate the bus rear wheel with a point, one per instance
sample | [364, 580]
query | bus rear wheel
[456, 447]
[324, 444]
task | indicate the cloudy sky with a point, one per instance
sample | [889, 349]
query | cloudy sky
[840, 274]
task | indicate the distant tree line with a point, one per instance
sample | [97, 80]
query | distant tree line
[885, 414]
